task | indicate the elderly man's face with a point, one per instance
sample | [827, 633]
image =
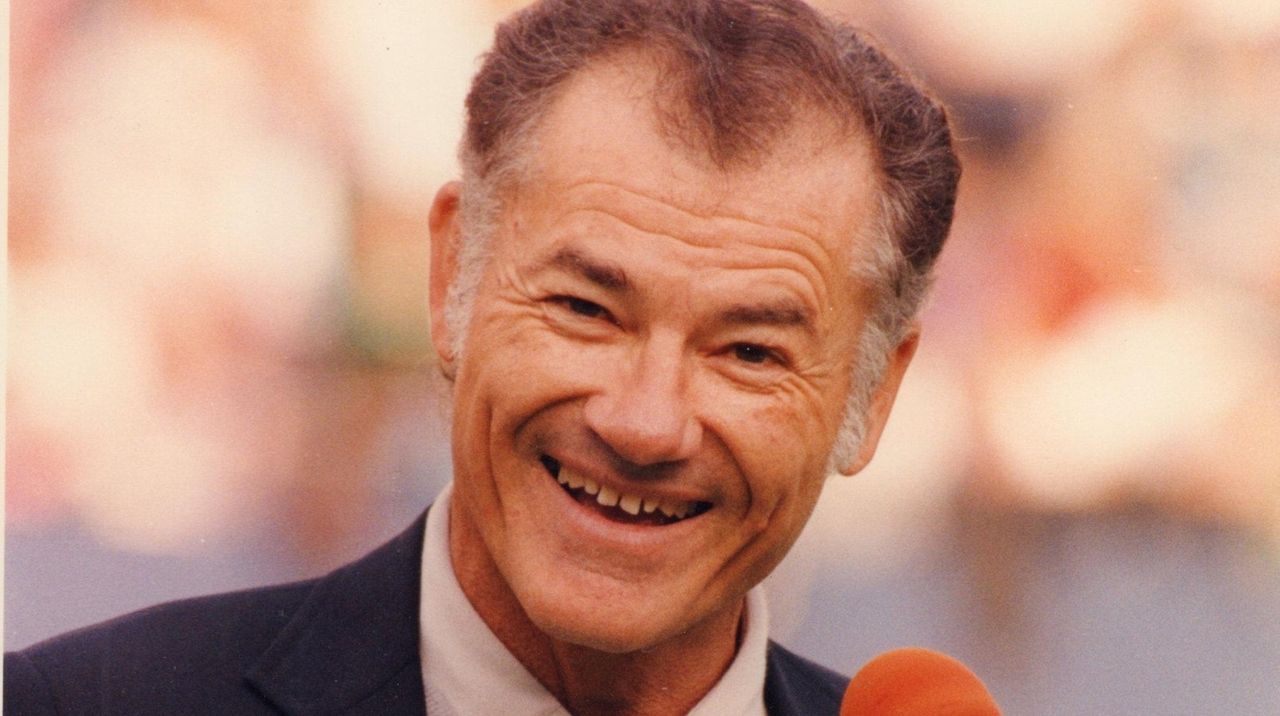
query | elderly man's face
[654, 372]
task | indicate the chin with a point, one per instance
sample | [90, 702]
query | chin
[600, 626]
[609, 639]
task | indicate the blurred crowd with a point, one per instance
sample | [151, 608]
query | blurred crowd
[217, 261]
[1105, 331]
[217, 265]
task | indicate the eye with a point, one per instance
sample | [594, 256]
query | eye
[583, 307]
[751, 353]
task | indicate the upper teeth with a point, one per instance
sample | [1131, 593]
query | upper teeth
[607, 496]
[631, 504]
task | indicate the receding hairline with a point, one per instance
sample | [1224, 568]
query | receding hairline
[814, 125]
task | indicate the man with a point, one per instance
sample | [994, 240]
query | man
[673, 291]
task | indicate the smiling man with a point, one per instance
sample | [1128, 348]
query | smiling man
[674, 290]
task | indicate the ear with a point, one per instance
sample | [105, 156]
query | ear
[445, 236]
[882, 401]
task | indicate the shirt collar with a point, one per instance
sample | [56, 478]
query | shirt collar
[467, 670]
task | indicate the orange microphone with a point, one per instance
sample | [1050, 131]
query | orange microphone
[916, 682]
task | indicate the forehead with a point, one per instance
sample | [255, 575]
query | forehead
[604, 125]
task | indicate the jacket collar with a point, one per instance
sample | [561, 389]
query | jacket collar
[352, 646]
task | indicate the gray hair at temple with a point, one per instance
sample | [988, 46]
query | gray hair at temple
[739, 70]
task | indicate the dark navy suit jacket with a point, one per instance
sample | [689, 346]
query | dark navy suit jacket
[346, 643]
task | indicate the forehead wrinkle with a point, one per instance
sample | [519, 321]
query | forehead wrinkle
[675, 222]
[583, 192]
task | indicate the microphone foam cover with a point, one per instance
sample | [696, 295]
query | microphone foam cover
[915, 681]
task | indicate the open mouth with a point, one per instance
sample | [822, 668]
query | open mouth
[622, 507]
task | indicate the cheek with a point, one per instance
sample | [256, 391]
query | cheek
[780, 448]
[518, 365]
[784, 434]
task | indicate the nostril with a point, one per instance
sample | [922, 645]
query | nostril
[642, 429]
[552, 465]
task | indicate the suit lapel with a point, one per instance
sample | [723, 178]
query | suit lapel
[796, 686]
[352, 647]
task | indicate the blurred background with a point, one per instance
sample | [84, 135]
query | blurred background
[218, 370]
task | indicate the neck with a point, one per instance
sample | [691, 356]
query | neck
[669, 677]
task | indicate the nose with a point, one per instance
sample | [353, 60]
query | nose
[645, 413]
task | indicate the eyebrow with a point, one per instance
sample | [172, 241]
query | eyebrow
[784, 313]
[602, 273]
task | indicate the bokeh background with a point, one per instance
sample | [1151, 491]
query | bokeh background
[218, 370]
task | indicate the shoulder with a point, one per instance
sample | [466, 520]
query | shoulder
[345, 638]
[796, 685]
[170, 656]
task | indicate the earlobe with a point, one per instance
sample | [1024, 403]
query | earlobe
[445, 235]
[882, 402]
